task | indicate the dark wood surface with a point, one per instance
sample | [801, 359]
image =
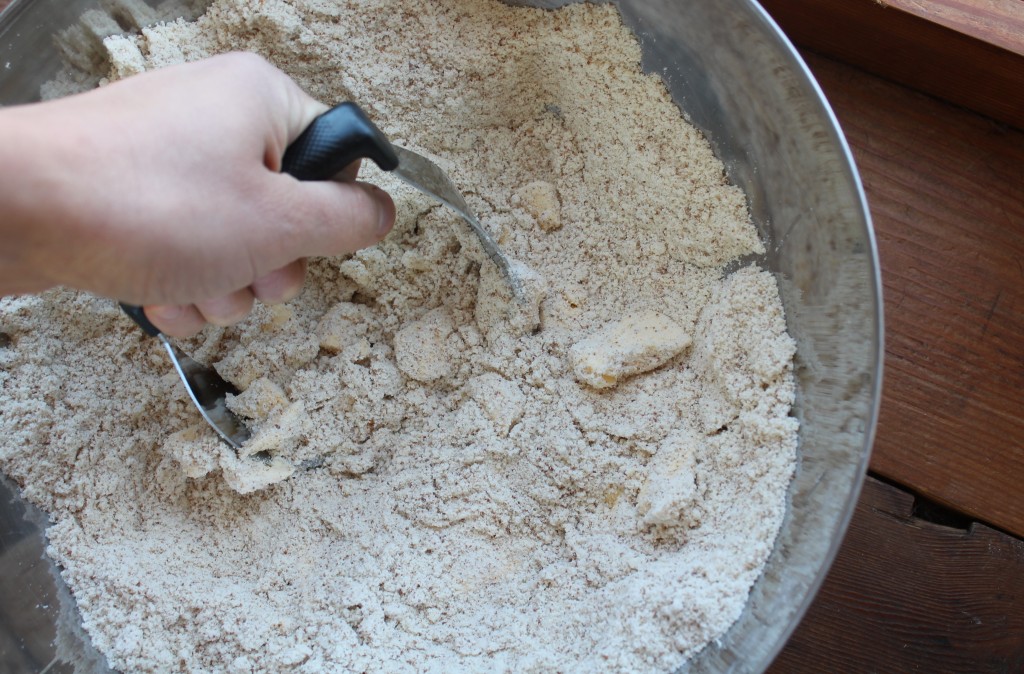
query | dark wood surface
[970, 52]
[946, 190]
[997, 22]
[931, 575]
[910, 595]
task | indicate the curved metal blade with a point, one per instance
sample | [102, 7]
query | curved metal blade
[427, 177]
[208, 390]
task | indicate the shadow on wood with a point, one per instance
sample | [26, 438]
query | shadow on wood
[968, 52]
[907, 595]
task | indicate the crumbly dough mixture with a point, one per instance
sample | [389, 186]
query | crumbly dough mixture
[590, 482]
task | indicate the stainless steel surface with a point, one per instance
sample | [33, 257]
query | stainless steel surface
[427, 177]
[208, 391]
[27, 53]
[40, 628]
[735, 76]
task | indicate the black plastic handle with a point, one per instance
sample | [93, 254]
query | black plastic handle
[139, 316]
[331, 142]
[334, 140]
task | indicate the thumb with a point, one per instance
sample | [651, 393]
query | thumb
[337, 216]
[334, 218]
[302, 109]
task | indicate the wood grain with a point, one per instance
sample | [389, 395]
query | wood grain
[969, 52]
[997, 22]
[906, 595]
[946, 190]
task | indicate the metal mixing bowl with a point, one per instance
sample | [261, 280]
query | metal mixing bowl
[735, 76]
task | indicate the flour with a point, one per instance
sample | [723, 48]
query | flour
[438, 490]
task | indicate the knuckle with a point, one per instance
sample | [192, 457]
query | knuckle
[227, 310]
[352, 219]
[274, 287]
[247, 61]
[362, 207]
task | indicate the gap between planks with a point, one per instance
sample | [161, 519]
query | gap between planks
[908, 595]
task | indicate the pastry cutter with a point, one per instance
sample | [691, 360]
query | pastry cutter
[329, 144]
[344, 134]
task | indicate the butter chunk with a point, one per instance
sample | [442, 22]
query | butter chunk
[195, 448]
[246, 474]
[125, 57]
[669, 496]
[501, 400]
[343, 325]
[636, 343]
[263, 397]
[279, 432]
[421, 347]
[540, 200]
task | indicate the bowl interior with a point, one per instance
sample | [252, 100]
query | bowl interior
[737, 78]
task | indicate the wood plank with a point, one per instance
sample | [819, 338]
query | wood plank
[997, 22]
[907, 595]
[946, 190]
[969, 52]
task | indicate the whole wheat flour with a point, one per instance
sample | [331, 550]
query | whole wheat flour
[587, 483]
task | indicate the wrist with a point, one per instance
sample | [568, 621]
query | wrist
[37, 224]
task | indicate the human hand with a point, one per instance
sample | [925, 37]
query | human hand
[165, 190]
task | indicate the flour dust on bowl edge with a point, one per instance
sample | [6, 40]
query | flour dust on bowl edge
[737, 78]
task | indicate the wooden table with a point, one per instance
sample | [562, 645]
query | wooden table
[931, 575]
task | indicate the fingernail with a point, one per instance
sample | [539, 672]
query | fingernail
[385, 210]
[165, 312]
